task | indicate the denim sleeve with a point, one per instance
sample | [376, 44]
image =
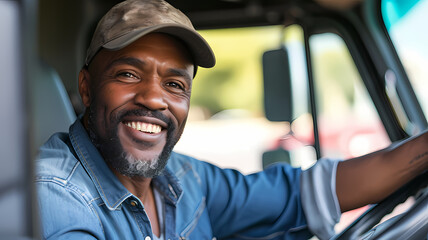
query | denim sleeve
[320, 204]
[76, 220]
[264, 205]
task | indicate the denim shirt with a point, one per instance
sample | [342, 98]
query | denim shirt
[80, 198]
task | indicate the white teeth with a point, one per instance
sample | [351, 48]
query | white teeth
[144, 127]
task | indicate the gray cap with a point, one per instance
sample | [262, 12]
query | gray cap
[132, 19]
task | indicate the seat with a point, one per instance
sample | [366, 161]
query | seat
[51, 106]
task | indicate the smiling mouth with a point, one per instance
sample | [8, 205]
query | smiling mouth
[144, 127]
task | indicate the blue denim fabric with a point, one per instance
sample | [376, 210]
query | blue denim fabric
[80, 198]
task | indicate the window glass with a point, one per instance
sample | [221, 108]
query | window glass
[406, 22]
[349, 125]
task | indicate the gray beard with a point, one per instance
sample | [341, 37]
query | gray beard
[130, 166]
[136, 166]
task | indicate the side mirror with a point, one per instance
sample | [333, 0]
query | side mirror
[275, 156]
[277, 86]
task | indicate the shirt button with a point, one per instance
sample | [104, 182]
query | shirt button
[148, 238]
[134, 203]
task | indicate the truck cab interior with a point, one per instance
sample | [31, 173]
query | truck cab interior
[296, 81]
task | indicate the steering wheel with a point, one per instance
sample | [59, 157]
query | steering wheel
[413, 224]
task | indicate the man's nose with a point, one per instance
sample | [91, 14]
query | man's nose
[150, 95]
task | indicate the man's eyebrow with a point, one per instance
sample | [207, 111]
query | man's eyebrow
[128, 61]
[181, 73]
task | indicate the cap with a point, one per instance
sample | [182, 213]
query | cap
[132, 19]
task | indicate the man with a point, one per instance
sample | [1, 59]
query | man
[114, 175]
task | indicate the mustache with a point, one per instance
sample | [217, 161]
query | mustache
[141, 112]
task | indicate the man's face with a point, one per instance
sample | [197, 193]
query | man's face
[138, 100]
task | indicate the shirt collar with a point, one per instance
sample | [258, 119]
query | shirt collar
[111, 190]
[168, 184]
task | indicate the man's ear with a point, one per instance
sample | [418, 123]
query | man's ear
[84, 86]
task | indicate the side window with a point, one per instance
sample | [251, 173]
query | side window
[348, 123]
[405, 22]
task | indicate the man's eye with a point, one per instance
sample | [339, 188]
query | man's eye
[127, 76]
[175, 85]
